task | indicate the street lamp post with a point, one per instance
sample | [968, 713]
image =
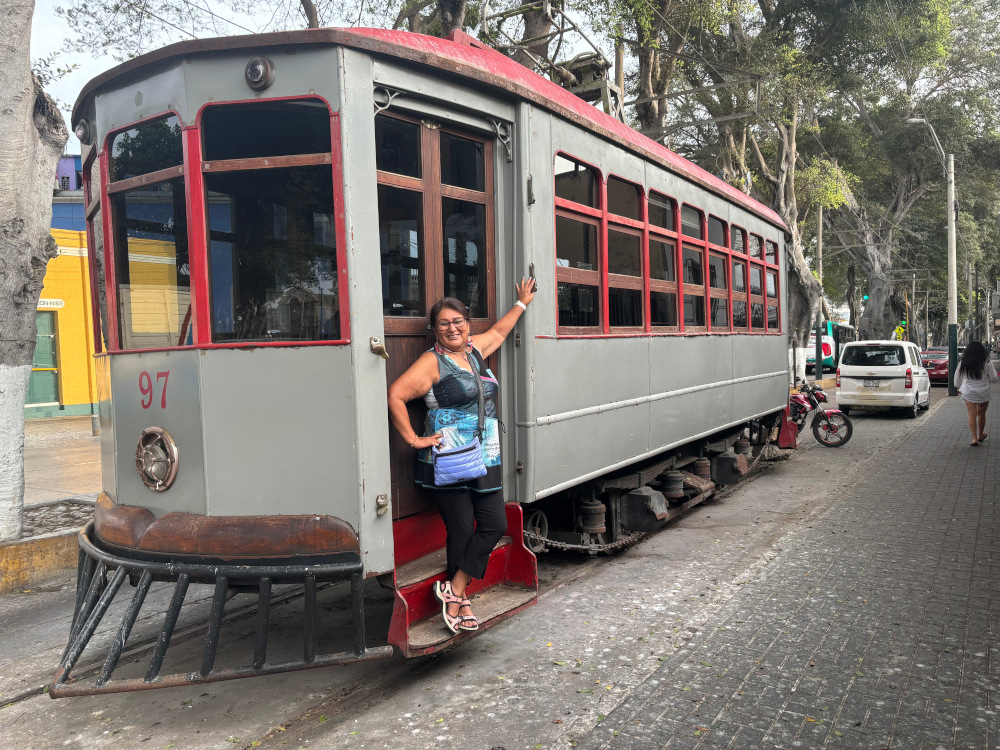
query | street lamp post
[948, 162]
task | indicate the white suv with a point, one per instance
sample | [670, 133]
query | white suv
[882, 373]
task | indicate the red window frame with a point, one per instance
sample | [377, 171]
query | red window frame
[669, 237]
[597, 218]
[688, 289]
[715, 293]
[634, 227]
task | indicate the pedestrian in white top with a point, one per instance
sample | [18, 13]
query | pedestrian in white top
[973, 377]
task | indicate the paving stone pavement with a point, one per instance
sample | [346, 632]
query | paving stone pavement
[878, 627]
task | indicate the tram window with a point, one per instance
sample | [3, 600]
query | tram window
[464, 253]
[738, 239]
[576, 244]
[693, 266]
[625, 307]
[691, 222]
[694, 310]
[754, 246]
[772, 318]
[661, 260]
[756, 281]
[397, 146]
[623, 198]
[576, 182]
[661, 211]
[739, 277]
[578, 306]
[462, 162]
[772, 284]
[716, 231]
[148, 147]
[624, 253]
[273, 255]
[259, 129]
[720, 312]
[771, 248]
[756, 316]
[716, 271]
[739, 313]
[400, 233]
[151, 266]
[663, 309]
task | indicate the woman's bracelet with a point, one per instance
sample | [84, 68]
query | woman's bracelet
[521, 305]
[414, 441]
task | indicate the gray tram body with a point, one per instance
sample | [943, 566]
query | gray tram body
[302, 430]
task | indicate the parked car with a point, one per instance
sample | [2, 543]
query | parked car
[827, 344]
[935, 359]
[882, 374]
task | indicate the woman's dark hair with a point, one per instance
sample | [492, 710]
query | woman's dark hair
[448, 303]
[974, 360]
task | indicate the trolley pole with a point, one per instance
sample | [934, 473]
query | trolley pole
[818, 368]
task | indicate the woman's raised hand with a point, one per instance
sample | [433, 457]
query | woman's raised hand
[526, 290]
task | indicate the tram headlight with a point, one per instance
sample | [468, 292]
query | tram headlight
[156, 459]
[82, 131]
[259, 73]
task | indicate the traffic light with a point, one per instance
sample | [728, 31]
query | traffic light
[864, 298]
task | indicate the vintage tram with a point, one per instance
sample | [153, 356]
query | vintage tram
[272, 217]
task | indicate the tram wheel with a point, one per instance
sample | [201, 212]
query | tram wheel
[536, 523]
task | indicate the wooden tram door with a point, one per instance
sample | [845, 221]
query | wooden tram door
[436, 239]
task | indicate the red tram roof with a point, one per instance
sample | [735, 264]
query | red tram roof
[465, 56]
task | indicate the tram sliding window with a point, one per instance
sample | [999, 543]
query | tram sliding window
[273, 255]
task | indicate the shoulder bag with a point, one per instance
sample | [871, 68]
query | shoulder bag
[454, 465]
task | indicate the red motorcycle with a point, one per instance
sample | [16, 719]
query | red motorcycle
[831, 427]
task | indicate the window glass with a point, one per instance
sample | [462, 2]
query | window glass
[716, 271]
[661, 260]
[739, 276]
[772, 318]
[263, 128]
[463, 163]
[661, 211]
[738, 239]
[146, 148]
[772, 284]
[772, 251]
[397, 146]
[739, 313]
[716, 231]
[720, 313]
[754, 246]
[273, 255]
[465, 253]
[576, 182]
[625, 307]
[624, 253]
[693, 266]
[151, 266]
[757, 316]
[872, 356]
[694, 310]
[756, 281]
[691, 221]
[578, 305]
[576, 244]
[400, 232]
[663, 308]
[623, 198]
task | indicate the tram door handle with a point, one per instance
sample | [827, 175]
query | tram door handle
[378, 347]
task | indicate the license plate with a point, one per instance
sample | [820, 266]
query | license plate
[871, 382]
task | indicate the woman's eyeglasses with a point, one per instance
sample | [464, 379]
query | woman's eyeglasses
[444, 325]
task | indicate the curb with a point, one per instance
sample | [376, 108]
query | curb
[25, 562]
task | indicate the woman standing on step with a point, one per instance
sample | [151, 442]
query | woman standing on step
[973, 377]
[461, 397]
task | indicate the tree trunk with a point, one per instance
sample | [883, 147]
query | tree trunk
[33, 139]
[452, 14]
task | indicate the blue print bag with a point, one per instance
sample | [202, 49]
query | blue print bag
[463, 462]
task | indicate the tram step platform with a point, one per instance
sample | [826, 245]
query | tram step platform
[510, 585]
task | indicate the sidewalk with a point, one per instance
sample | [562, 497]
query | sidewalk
[62, 459]
[876, 627]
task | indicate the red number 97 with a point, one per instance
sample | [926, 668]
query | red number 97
[146, 388]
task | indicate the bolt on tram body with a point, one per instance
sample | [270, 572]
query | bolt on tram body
[271, 219]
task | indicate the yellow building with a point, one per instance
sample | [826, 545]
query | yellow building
[63, 378]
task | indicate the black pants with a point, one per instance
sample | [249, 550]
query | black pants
[475, 522]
